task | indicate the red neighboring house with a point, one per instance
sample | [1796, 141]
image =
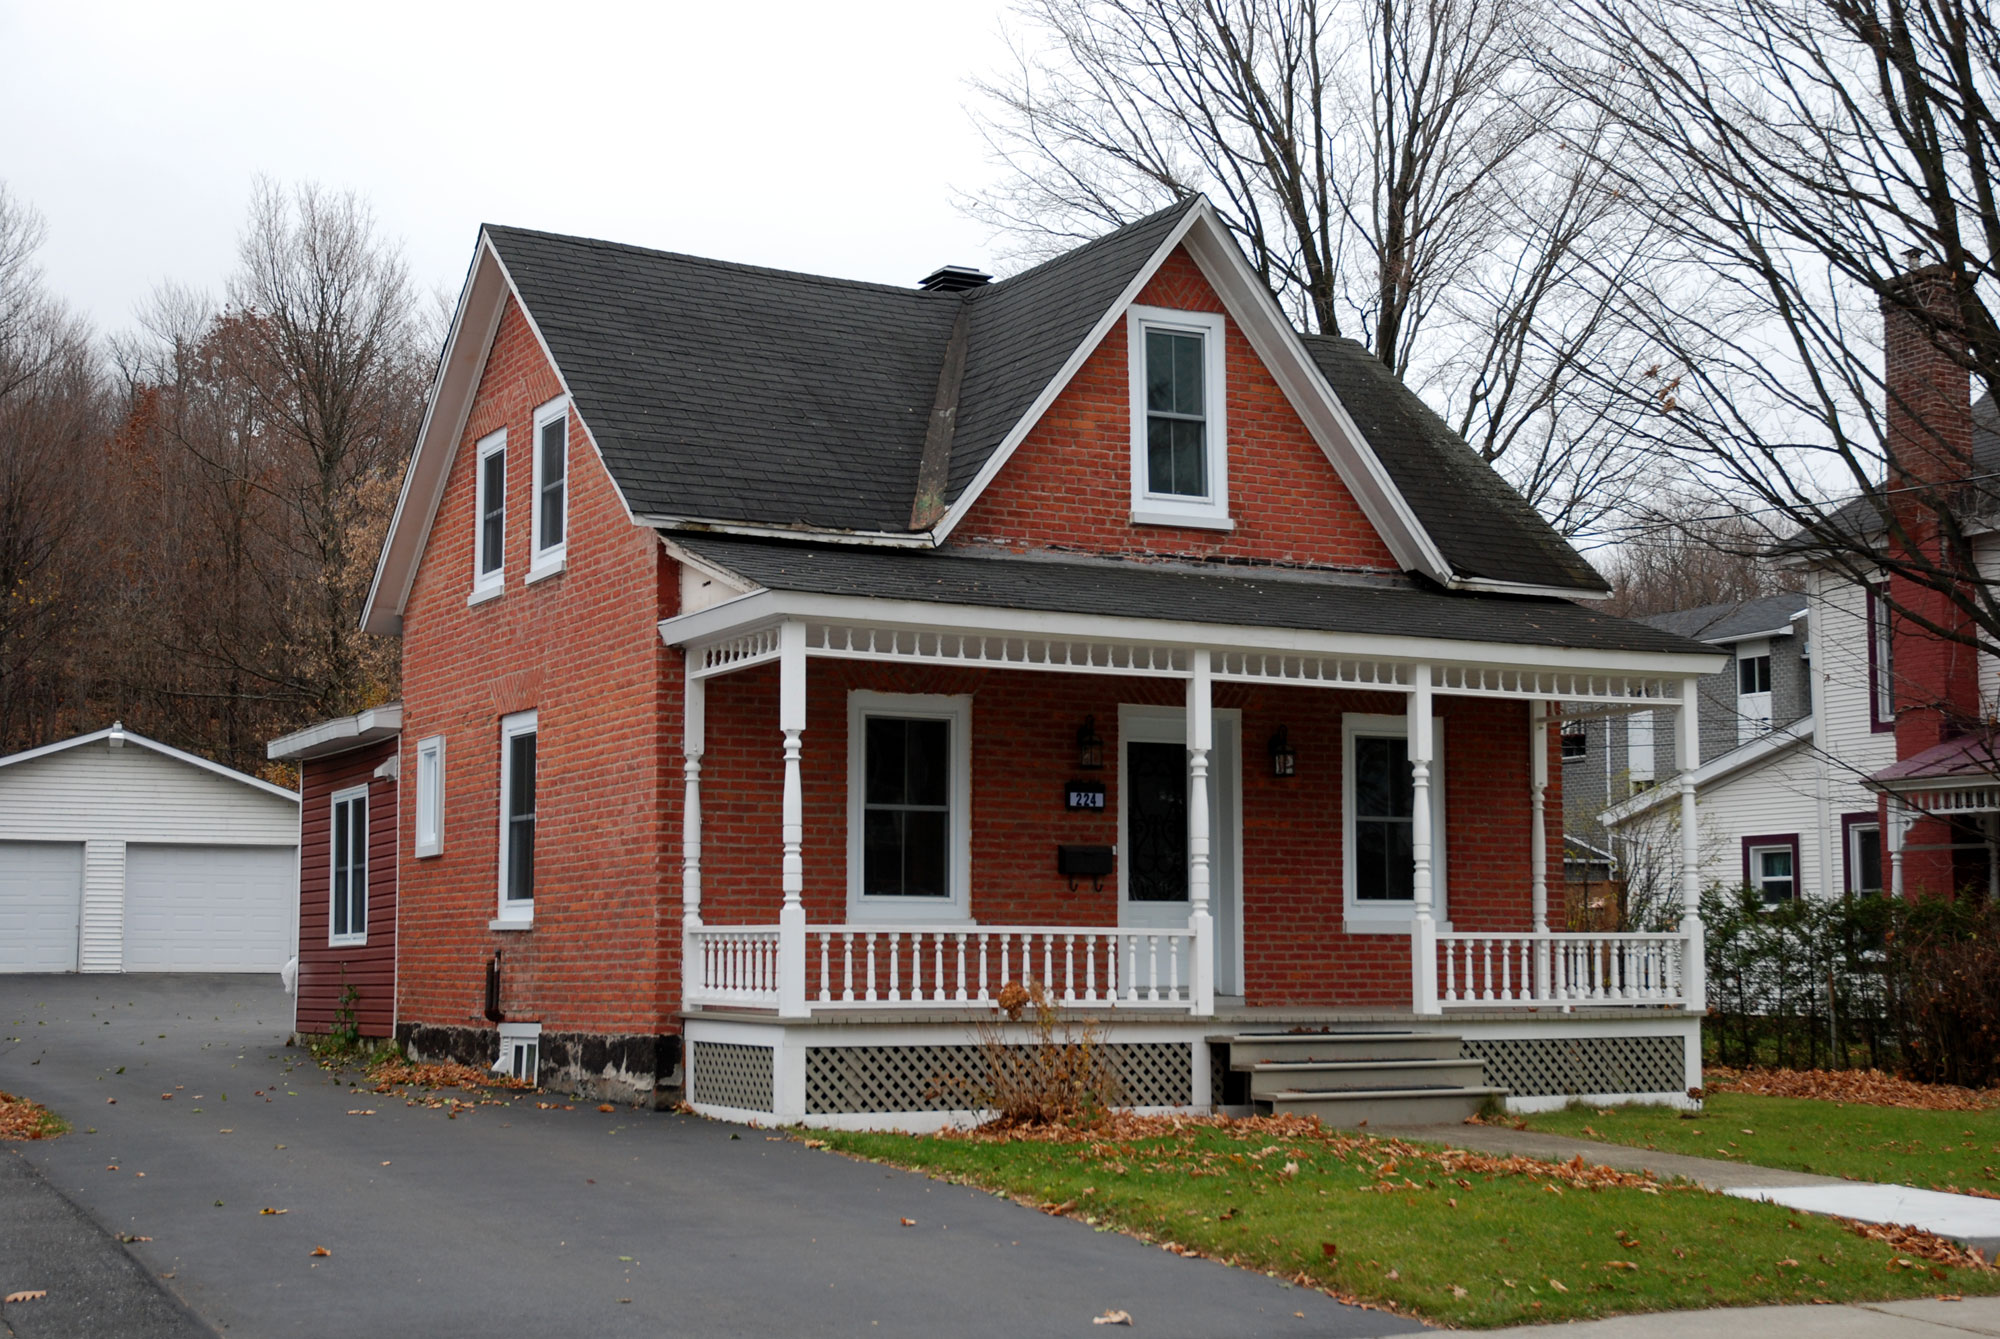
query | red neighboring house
[349, 772]
[790, 663]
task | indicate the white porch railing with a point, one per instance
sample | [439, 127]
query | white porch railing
[882, 967]
[1561, 968]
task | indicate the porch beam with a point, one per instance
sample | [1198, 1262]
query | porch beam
[1200, 740]
[792, 916]
[1688, 745]
[1423, 930]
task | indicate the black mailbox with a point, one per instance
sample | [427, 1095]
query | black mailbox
[1085, 862]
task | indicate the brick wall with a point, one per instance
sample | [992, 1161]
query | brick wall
[1069, 483]
[1296, 948]
[326, 970]
[582, 649]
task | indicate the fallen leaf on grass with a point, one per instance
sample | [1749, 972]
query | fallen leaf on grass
[1329, 1250]
[1788, 1264]
[1627, 1264]
[321, 1250]
[32, 1295]
[1112, 1318]
[1557, 1285]
[1457, 1291]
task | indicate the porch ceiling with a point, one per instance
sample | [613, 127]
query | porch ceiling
[1100, 616]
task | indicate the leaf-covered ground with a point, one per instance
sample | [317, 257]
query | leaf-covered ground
[23, 1119]
[1463, 1238]
[1941, 1150]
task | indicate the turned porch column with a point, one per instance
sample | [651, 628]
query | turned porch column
[1423, 927]
[694, 728]
[1899, 826]
[1200, 739]
[1538, 837]
[1694, 970]
[792, 917]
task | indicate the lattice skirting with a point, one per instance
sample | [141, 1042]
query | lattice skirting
[1569, 1066]
[728, 1074]
[862, 1079]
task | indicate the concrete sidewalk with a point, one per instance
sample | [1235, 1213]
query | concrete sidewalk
[1868, 1320]
[1964, 1218]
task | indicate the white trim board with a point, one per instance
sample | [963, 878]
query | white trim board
[117, 736]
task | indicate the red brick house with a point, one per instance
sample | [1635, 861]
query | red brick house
[802, 660]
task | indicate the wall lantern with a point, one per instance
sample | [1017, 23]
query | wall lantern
[1089, 748]
[1284, 759]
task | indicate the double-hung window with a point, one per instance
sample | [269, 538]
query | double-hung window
[1864, 855]
[1753, 690]
[348, 913]
[1881, 660]
[489, 540]
[1379, 811]
[430, 796]
[1771, 866]
[517, 817]
[909, 788]
[551, 488]
[1180, 457]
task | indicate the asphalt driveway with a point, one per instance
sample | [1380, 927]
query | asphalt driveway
[191, 1117]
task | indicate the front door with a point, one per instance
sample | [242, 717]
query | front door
[1152, 830]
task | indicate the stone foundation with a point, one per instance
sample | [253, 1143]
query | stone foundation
[635, 1068]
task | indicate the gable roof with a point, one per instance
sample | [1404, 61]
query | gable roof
[1742, 758]
[1734, 620]
[1236, 596]
[117, 736]
[1858, 518]
[773, 402]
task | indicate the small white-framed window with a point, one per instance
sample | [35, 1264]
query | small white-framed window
[1377, 793]
[1753, 690]
[489, 538]
[1771, 866]
[430, 796]
[1881, 659]
[347, 919]
[1639, 760]
[1575, 741]
[518, 734]
[909, 806]
[1864, 857]
[1180, 430]
[550, 524]
[520, 1052]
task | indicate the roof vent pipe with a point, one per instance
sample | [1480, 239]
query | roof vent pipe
[953, 279]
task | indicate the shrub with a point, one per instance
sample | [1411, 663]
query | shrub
[1061, 1076]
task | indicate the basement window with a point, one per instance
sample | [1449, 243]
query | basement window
[490, 512]
[1180, 458]
[520, 1052]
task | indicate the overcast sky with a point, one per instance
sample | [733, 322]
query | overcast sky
[814, 136]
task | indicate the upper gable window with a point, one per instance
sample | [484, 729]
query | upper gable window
[490, 507]
[551, 487]
[1180, 457]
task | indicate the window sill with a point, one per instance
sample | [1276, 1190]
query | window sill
[347, 941]
[545, 567]
[511, 923]
[427, 853]
[913, 912]
[1371, 922]
[1192, 520]
[481, 594]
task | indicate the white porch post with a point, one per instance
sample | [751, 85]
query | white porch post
[792, 918]
[1694, 969]
[1200, 739]
[1538, 836]
[1423, 928]
[694, 728]
[1899, 825]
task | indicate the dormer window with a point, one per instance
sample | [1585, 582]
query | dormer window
[1180, 458]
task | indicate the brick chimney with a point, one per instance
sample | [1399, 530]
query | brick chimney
[1928, 421]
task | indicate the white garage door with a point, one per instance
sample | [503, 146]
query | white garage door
[41, 888]
[209, 908]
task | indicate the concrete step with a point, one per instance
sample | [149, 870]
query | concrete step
[1247, 1050]
[1366, 1075]
[1383, 1106]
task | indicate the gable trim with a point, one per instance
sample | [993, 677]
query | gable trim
[118, 736]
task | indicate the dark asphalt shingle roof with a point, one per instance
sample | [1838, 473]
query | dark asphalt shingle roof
[733, 393]
[1736, 618]
[1858, 516]
[1238, 597]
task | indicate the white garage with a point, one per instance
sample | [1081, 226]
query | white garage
[118, 853]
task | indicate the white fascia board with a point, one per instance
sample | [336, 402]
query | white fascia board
[1735, 637]
[761, 608]
[1741, 758]
[339, 735]
[117, 735]
[700, 525]
[1488, 586]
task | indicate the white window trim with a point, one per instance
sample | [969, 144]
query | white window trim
[1149, 508]
[512, 914]
[338, 798]
[512, 1034]
[1757, 872]
[486, 585]
[1753, 710]
[861, 704]
[1640, 765]
[1372, 917]
[547, 560]
[430, 797]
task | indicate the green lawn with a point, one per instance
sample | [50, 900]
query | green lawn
[1939, 1149]
[1472, 1242]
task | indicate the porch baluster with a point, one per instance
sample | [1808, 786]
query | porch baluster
[982, 969]
[1507, 969]
[871, 966]
[1450, 972]
[847, 968]
[1486, 954]
[961, 966]
[1152, 967]
[825, 976]
[1173, 971]
[1090, 968]
[1048, 962]
[895, 964]
[1069, 969]
[937, 966]
[1006, 973]
[1111, 965]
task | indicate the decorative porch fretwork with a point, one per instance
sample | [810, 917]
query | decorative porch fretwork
[842, 641]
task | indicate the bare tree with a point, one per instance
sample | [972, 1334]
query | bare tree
[1682, 550]
[1794, 159]
[1391, 171]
